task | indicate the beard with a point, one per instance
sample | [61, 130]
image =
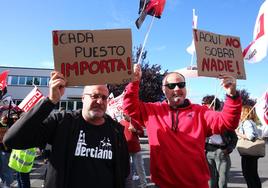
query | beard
[96, 113]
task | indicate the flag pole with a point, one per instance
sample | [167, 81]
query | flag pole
[254, 105]
[145, 39]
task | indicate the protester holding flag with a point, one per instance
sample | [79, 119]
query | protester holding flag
[6, 174]
[88, 148]
[7, 110]
[21, 161]
[177, 129]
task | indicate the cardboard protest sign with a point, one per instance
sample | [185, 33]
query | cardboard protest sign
[217, 54]
[88, 57]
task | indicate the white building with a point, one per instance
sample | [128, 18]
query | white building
[21, 81]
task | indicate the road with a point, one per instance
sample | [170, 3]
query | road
[236, 177]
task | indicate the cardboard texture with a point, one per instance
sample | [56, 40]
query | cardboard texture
[217, 54]
[88, 57]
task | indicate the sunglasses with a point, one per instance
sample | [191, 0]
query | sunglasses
[181, 85]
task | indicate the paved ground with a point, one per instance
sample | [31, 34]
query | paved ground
[236, 177]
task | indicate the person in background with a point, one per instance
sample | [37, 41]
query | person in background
[89, 148]
[248, 130]
[132, 134]
[7, 110]
[218, 149]
[21, 161]
[177, 129]
[6, 173]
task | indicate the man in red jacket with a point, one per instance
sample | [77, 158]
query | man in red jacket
[177, 129]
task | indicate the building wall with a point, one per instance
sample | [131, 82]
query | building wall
[19, 92]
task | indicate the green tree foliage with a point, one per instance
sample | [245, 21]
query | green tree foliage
[151, 81]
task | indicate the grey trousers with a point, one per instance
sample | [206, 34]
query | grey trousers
[219, 166]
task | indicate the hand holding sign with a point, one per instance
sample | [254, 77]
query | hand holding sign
[57, 85]
[228, 82]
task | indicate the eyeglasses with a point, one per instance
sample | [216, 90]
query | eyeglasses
[181, 85]
[97, 96]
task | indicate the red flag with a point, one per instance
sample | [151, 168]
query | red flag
[151, 7]
[3, 80]
[31, 99]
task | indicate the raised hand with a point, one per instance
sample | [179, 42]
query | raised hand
[56, 86]
[229, 84]
[137, 72]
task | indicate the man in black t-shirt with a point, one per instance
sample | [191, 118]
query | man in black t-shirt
[88, 147]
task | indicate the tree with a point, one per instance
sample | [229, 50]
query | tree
[151, 81]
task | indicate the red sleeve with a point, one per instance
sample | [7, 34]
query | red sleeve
[227, 119]
[131, 103]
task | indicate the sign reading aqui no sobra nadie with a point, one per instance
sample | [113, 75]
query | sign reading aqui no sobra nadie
[217, 54]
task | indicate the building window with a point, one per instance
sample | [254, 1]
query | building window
[79, 105]
[29, 80]
[44, 81]
[37, 81]
[22, 80]
[14, 80]
[62, 105]
[70, 105]
[17, 102]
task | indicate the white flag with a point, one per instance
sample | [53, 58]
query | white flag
[31, 99]
[257, 49]
[115, 106]
[262, 109]
[191, 48]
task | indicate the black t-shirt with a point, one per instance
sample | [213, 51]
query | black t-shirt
[93, 162]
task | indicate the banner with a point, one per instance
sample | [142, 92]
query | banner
[262, 109]
[115, 106]
[257, 49]
[191, 48]
[87, 57]
[31, 99]
[217, 54]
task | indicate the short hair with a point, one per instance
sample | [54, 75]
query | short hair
[208, 99]
[169, 73]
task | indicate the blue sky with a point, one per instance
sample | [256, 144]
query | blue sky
[26, 26]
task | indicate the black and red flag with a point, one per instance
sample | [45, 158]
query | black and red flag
[151, 7]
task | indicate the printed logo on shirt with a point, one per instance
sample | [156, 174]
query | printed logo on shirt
[103, 151]
[190, 115]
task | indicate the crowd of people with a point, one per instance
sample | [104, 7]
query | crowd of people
[190, 144]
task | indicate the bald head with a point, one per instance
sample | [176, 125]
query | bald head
[172, 74]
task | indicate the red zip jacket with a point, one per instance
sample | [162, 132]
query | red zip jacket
[177, 158]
